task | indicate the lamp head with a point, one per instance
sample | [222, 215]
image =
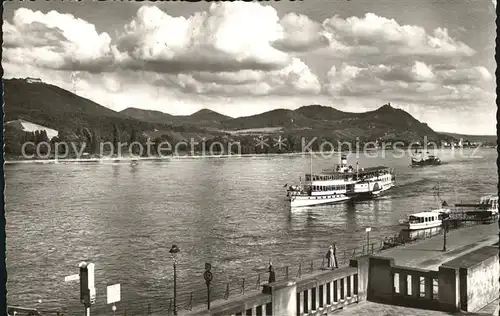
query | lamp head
[174, 251]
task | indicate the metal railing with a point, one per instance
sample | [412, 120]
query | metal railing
[228, 288]
[225, 287]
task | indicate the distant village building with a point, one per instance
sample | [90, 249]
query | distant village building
[33, 80]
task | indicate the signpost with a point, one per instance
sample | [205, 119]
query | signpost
[87, 285]
[368, 230]
[174, 251]
[73, 277]
[207, 275]
[113, 295]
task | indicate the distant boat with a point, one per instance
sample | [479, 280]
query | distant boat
[430, 160]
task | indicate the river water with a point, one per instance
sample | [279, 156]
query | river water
[230, 212]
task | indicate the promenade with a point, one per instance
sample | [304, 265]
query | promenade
[428, 254]
[377, 309]
[424, 254]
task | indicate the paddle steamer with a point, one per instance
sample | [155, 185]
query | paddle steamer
[339, 184]
[371, 183]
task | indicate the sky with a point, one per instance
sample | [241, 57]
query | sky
[431, 58]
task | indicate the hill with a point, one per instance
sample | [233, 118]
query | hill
[276, 118]
[148, 115]
[385, 123]
[206, 115]
[322, 113]
[202, 118]
[77, 118]
[61, 110]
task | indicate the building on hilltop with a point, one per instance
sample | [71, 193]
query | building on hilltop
[33, 80]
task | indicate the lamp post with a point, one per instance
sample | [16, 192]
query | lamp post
[207, 275]
[174, 251]
[368, 230]
[445, 228]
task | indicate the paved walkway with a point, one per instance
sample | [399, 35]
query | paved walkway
[491, 309]
[429, 254]
[376, 309]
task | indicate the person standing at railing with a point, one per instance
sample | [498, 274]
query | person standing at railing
[331, 257]
[335, 261]
[272, 274]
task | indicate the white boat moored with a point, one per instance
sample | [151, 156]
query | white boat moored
[424, 220]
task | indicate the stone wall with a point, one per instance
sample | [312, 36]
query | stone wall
[479, 273]
[468, 283]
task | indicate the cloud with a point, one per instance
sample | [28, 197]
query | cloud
[421, 72]
[224, 38]
[418, 72]
[474, 75]
[301, 34]
[218, 51]
[293, 79]
[221, 43]
[375, 35]
[353, 80]
[418, 82]
[56, 41]
[376, 56]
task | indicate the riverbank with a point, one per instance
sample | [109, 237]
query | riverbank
[21, 160]
[132, 159]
